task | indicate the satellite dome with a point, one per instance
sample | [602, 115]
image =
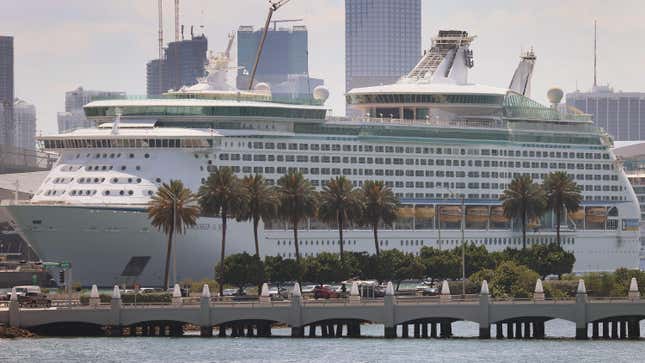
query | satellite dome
[321, 93]
[263, 88]
[555, 95]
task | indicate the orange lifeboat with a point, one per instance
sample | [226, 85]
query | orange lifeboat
[497, 215]
[424, 212]
[450, 213]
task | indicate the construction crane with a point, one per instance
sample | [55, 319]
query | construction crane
[275, 25]
[273, 7]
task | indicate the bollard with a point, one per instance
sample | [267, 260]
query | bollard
[538, 294]
[95, 299]
[354, 296]
[176, 295]
[445, 292]
[634, 293]
[265, 298]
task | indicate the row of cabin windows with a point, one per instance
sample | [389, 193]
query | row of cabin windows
[406, 173]
[427, 150]
[411, 161]
[127, 143]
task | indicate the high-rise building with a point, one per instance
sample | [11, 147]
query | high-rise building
[621, 114]
[74, 117]
[284, 63]
[382, 40]
[7, 129]
[24, 115]
[182, 65]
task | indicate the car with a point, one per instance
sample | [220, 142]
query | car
[430, 291]
[31, 296]
[184, 291]
[230, 292]
[307, 289]
[324, 292]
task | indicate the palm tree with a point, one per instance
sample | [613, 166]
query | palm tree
[171, 210]
[523, 200]
[298, 201]
[261, 203]
[339, 203]
[379, 206]
[561, 193]
[222, 194]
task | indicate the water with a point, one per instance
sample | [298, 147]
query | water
[280, 348]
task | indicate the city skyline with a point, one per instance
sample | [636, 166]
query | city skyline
[106, 46]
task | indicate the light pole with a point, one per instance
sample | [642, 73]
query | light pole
[173, 248]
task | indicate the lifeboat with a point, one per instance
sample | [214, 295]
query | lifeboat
[406, 212]
[578, 215]
[477, 214]
[450, 213]
[424, 212]
[497, 215]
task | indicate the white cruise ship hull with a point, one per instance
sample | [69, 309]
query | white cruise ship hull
[99, 242]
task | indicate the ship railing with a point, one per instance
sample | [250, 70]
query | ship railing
[492, 123]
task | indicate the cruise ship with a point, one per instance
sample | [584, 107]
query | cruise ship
[435, 138]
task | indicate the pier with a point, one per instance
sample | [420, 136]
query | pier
[404, 317]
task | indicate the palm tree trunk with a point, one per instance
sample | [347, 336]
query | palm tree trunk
[524, 229]
[256, 221]
[558, 213]
[221, 261]
[340, 235]
[295, 240]
[375, 229]
[168, 253]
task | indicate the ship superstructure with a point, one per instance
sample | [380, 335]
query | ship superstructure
[433, 141]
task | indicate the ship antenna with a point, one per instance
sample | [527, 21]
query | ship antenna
[595, 52]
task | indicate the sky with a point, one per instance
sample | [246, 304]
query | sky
[97, 44]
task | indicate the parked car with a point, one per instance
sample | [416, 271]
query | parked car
[231, 292]
[324, 292]
[307, 289]
[31, 296]
[430, 291]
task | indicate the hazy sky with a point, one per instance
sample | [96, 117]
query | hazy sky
[61, 44]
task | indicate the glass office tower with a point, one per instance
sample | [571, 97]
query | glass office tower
[382, 40]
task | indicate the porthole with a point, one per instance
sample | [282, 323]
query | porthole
[118, 155]
[104, 167]
[123, 167]
[131, 156]
[158, 180]
[130, 192]
[129, 180]
[115, 180]
[138, 180]
[111, 156]
[122, 192]
[106, 192]
[138, 167]
[210, 162]
[104, 156]
[96, 180]
[147, 156]
[149, 192]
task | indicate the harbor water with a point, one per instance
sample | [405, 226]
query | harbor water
[558, 347]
